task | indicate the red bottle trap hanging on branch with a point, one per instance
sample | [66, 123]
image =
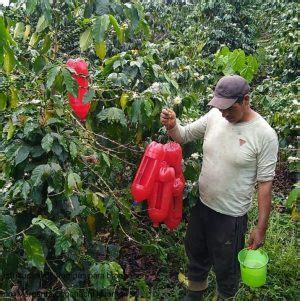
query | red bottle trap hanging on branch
[160, 180]
[80, 72]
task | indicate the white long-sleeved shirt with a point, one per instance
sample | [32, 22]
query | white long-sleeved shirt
[235, 157]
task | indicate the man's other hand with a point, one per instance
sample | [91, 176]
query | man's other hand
[168, 118]
[256, 239]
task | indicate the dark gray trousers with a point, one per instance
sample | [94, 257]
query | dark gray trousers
[214, 240]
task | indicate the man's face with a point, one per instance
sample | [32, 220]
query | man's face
[235, 113]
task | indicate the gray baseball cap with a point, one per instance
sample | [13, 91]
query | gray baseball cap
[228, 89]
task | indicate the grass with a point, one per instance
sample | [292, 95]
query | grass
[282, 282]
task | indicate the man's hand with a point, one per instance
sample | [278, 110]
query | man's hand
[168, 118]
[256, 238]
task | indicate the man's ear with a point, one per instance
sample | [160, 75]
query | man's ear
[247, 99]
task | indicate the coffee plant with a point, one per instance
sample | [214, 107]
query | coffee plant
[68, 228]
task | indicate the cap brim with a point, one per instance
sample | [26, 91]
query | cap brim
[222, 103]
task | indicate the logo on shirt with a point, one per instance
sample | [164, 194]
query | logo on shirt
[242, 142]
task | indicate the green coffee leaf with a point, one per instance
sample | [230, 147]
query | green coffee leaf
[19, 30]
[98, 203]
[236, 60]
[47, 142]
[25, 190]
[75, 207]
[34, 252]
[106, 159]
[115, 267]
[114, 217]
[10, 129]
[73, 231]
[26, 32]
[148, 107]
[39, 173]
[46, 45]
[113, 115]
[9, 60]
[54, 120]
[100, 275]
[74, 181]
[85, 40]
[1, 55]
[68, 266]
[62, 244]
[100, 28]
[144, 26]
[89, 95]
[30, 6]
[42, 24]
[247, 73]
[34, 39]
[46, 9]
[73, 150]
[252, 63]
[14, 98]
[136, 114]
[22, 154]
[43, 222]
[71, 84]
[3, 99]
[102, 7]
[6, 38]
[100, 49]
[39, 64]
[117, 28]
[53, 71]
[293, 196]
[132, 13]
[7, 226]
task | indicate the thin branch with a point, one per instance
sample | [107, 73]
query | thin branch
[61, 282]
[103, 137]
[115, 156]
[72, 206]
[107, 149]
[103, 147]
[129, 237]
[135, 214]
[17, 234]
[107, 186]
[58, 193]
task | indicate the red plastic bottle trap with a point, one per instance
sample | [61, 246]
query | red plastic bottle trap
[80, 73]
[160, 180]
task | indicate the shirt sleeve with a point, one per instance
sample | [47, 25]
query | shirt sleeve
[267, 159]
[190, 132]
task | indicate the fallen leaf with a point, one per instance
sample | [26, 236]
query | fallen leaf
[140, 262]
[295, 214]
[127, 269]
[127, 298]
[183, 279]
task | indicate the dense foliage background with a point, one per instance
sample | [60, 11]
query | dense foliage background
[68, 228]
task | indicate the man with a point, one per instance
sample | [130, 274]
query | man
[239, 151]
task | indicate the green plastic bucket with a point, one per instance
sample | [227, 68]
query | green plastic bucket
[253, 264]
